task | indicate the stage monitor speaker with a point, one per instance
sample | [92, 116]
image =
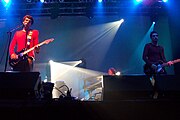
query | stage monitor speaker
[169, 86]
[126, 87]
[18, 85]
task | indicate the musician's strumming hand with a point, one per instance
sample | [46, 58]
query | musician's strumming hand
[14, 56]
[170, 63]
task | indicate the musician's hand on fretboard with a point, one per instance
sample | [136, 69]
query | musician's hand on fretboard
[37, 49]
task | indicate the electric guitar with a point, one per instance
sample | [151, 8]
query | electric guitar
[159, 67]
[23, 53]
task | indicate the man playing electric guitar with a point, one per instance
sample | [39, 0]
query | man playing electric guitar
[24, 39]
[153, 55]
[154, 68]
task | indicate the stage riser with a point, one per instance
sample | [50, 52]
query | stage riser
[139, 87]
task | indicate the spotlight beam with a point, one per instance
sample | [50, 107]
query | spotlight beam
[54, 67]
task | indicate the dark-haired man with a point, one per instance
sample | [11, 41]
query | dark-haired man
[23, 40]
[153, 56]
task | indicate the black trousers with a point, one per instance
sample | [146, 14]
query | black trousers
[25, 65]
[156, 87]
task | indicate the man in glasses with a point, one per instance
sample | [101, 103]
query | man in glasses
[153, 56]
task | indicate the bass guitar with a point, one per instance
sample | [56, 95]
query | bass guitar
[23, 53]
[159, 67]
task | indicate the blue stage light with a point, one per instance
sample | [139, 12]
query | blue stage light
[165, 0]
[138, 1]
[42, 1]
[100, 1]
[6, 1]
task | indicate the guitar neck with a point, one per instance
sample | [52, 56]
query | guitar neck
[38, 45]
[174, 61]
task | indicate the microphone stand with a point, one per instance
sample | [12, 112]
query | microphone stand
[9, 40]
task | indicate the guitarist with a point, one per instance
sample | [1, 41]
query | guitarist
[22, 40]
[153, 55]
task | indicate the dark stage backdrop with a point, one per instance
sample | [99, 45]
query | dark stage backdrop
[174, 16]
[98, 40]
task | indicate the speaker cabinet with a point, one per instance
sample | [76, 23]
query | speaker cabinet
[126, 87]
[18, 85]
[169, 86]
[139, 87]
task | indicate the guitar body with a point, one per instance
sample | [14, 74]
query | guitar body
[14, 62]
[148, 70]
[160, 67]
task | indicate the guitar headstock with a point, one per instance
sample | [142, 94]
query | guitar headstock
[48, 41]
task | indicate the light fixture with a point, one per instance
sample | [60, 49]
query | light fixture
[29, 1]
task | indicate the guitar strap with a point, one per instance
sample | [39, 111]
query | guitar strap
[29, 37]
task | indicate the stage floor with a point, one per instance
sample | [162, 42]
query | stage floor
[147, 109]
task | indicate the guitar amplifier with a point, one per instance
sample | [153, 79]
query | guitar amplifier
[18, 85]
[131, 87]
[126, 87]
[169, 86]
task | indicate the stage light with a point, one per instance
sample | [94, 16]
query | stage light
[42, 1]
[51, 61]
[154, 23]
[121, 21]
[138, 1]
[80, 61]
[99, 1]
[6, 1]
[165, 0]
[118, 73]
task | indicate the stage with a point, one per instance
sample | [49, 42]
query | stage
[86, 110]
[124, 97]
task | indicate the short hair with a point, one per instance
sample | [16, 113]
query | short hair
[112, 70]
[152, 33]
[30, 17]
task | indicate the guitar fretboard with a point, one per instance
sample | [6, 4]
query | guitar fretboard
[174, 61]
[38, 45]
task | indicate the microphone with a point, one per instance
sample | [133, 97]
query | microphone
[20, 26]
[17, 27]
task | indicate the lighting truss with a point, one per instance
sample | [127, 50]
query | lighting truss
[55, 8]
